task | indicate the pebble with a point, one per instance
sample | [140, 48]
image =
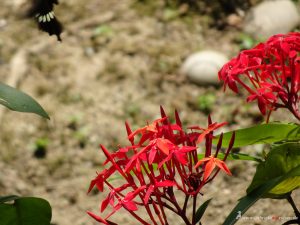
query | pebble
[3, 23]
[234, 20]
[271, 17]
[202, 67]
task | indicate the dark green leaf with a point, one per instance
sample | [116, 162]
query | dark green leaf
[201, 210]
[19, 101]
[235, 156]
[8, 198]
[280, 160]
[262, 134]
[26, 211]
[246, 202]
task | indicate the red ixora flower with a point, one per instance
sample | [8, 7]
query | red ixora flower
[161, 157]
[211, 163]
[272, 70]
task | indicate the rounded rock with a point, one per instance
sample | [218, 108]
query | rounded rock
[271, 17]
[202, 67]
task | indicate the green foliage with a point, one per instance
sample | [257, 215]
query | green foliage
[29, 210]
[246, 202]
[8, 198]
[206, 102]
[262, 134]
[18, 101]
[25, 211]
[280, 160]
[201, 210]
[279, 174]
[245, 41]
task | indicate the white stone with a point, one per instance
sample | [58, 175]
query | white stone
[202, 67]
[271, 17]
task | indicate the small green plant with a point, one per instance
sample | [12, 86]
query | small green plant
[82, 137]
[206, 102]
[245, 41]
[103, 30]
[40, 147]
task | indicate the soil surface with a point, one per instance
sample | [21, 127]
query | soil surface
[119, 60]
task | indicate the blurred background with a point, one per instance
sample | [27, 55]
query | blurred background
[120, 60]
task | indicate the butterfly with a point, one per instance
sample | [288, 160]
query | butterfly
[42, 12]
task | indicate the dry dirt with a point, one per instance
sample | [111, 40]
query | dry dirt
[118, 61]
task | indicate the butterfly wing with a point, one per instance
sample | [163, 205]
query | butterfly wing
[42, 11]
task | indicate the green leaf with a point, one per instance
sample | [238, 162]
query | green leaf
[26, 211]
[262, 134]
[280, 160]
[246, 202]
[18, 101]
[201, 210]
[234, 156]
[8, 198]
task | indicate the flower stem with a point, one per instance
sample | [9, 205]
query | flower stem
[194, 208]
[292, 203]
[185, 203]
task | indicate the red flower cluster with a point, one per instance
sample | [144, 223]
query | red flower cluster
[162, 158]
[273, 71]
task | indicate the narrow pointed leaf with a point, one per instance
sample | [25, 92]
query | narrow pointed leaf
[201, 210]
[19, 101]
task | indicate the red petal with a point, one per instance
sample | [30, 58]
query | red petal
[270, 95]
[164, 160]
[261, 105]
[152, 155]
[202, 136]
[148, 194]
[216, 126]
[181, 157]
[162, 144]
[187, 148]
[130, 205]
[251, 98]
[105, 203]
[92, 184]
[210, 128]
[209, 167]
[202, 161]
[221, 164]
